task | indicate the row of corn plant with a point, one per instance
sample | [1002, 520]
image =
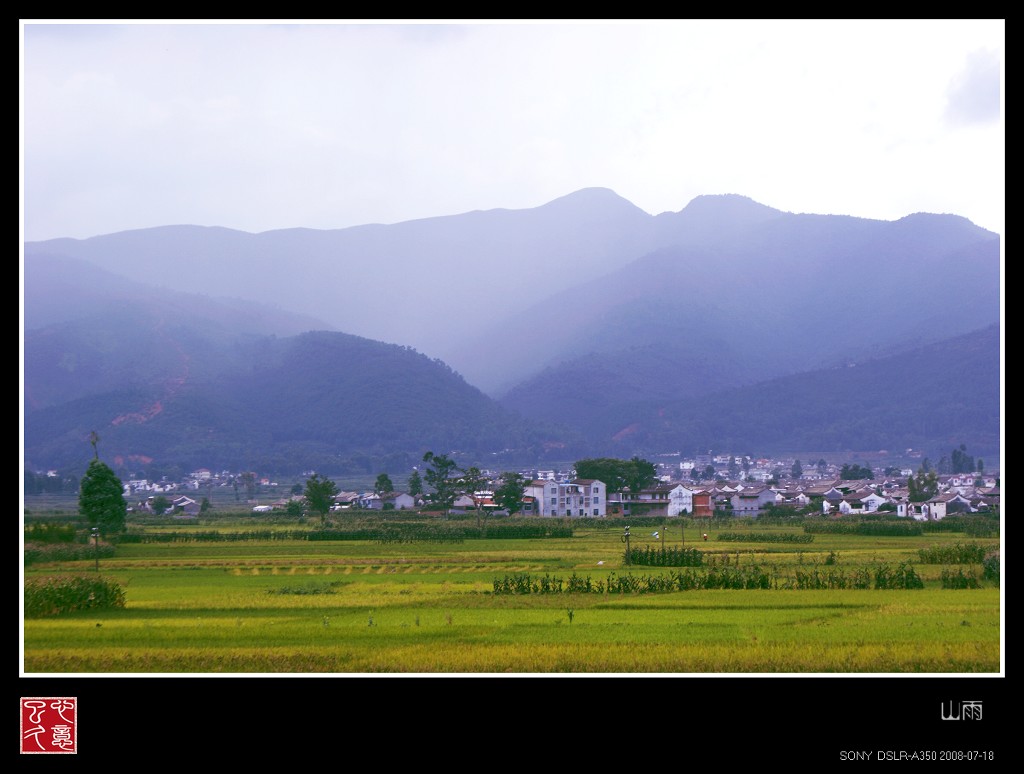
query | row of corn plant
[958, 579]
[882, 577]
[51, 532]
[831, 579]
[57, 594]
[972, 524]
[766, 537]
[41, 553]
[673, 556]
[969, 553]
[872, 529]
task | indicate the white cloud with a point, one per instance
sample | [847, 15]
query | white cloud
[974, 94]
[257, 127]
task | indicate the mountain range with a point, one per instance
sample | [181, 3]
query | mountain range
[562, 329]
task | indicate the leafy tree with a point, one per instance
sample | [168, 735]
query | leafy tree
[822, 466]
[509, 495]
[294, 508]
[320, 494]
[473, 481]
[205, 505]
[383, 484]
[640, 474]
[607, 469]
[797, 470]
[962, 461]
[249, 480]
[634, 474]
[160, 504]
[438, 478]
[855, 472]
[415, 483]
[923, 486]
[296, 489]
[101, 498]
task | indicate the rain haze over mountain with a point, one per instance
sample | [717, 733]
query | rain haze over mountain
[655, 207]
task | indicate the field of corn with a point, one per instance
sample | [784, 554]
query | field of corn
[237, 596]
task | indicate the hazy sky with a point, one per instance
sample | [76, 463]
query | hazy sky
[267, 125]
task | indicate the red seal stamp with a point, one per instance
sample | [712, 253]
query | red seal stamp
[49, 724]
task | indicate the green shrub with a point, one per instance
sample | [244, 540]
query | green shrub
[58, 594]
[870, 528]
[903, 577]
[50, 533]
[959, 579]
[39, 553]
[991, 571]
[309, 588]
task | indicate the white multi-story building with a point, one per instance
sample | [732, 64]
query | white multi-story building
[680, 500]
[662, 500]
[577, 498]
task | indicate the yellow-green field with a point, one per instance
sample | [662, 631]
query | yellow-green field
[350, 607]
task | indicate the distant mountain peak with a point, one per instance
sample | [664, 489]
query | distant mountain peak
[590, 198]
[735, 204]
[927, 218]
[707, 216]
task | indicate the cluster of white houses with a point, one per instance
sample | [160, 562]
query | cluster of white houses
[588, 497]
[578, 498]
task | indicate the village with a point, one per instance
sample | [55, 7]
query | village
[699, 487]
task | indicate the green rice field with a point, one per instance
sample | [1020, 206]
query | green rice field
[204, 606]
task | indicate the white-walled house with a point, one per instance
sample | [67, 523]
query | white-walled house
[680, 500]
[753, 499]
[930, 510]
[663, 499]
[400, 501]
[580, 497]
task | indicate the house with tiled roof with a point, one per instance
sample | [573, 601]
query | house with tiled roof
[184, 507]
[860, 503]
[984, 503]
[753, 499]
[399, 501]
[794, 496]
[345, 500]
[932, 509]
